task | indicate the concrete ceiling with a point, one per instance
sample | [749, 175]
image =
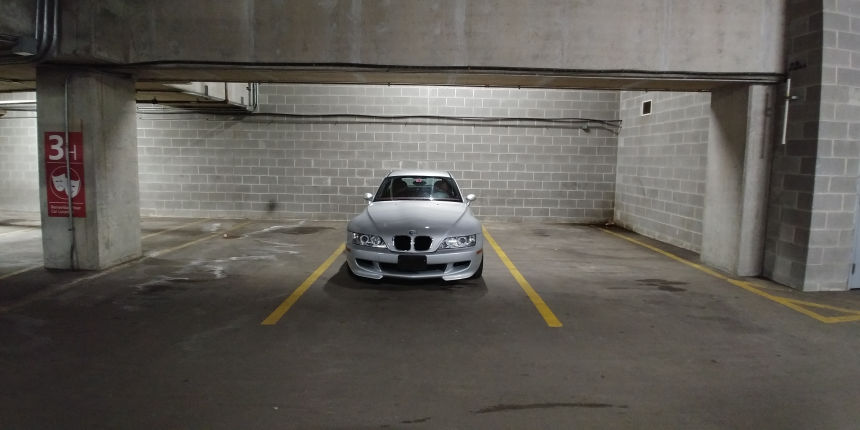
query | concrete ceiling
[678, 45]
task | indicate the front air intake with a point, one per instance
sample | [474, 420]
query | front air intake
[402, 243]
[422, 243]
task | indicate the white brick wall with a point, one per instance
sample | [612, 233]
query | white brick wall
[792, 175]
[813, 199]
[19, 180]
[661, 166]
[202, 166]
[837, 164]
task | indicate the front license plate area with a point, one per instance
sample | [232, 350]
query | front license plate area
[412, 263]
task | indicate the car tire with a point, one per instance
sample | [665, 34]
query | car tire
[480, 270]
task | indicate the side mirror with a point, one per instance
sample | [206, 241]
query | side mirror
[368, 197]
[470, 198]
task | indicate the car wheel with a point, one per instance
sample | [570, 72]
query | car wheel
[480, 270]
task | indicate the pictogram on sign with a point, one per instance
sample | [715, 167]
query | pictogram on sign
[62, 180]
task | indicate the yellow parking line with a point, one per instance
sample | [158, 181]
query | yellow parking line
[17, 231]
[282, 309]
[797, 305]
[27, 269]
[541, 306]
[186, 244]
[823, 306]
[18, 272]
[66, 286]
[847, 318]
[174, 228]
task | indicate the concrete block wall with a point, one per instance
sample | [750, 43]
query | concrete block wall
[837, 166]
[19, 181]
[660, 188]
[288, 167]
[793, 169]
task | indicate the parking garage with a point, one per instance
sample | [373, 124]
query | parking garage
[647, 244]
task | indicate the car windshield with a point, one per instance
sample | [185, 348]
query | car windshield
[418, 188]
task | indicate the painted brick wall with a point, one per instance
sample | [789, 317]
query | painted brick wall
[837, 167]
[290, 167]
[660, 185]
[793, 169]
[810, 240]
[19, 180]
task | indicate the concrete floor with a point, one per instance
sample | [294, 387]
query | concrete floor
[175, 340]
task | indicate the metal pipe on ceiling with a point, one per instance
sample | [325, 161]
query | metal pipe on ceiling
[47, 26]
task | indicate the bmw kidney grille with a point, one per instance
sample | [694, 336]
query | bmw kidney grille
[404, 243]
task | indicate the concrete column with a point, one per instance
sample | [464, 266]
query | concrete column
[102, 108]
[738, 167]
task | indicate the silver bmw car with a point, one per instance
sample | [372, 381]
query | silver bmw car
[416, 226]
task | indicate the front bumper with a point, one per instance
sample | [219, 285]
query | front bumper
[449, 265]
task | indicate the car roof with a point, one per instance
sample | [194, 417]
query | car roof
[438, 173]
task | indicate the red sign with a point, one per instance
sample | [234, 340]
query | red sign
[63, 181]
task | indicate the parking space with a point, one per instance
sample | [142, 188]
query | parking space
[185, 337]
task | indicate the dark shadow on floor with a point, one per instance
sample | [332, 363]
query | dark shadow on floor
[343, 280]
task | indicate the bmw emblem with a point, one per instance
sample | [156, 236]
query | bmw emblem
[412, 232]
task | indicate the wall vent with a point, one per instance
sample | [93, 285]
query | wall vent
[646, 107]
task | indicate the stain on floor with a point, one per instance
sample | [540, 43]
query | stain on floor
[519, 407]
[304, 230]
[663, 285]
[416, 421]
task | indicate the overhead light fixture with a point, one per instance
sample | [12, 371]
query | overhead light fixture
[16, 102]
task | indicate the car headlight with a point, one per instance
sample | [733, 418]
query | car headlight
[459, 241]
[370, 240]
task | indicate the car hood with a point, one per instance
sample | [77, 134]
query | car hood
[425, 217]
